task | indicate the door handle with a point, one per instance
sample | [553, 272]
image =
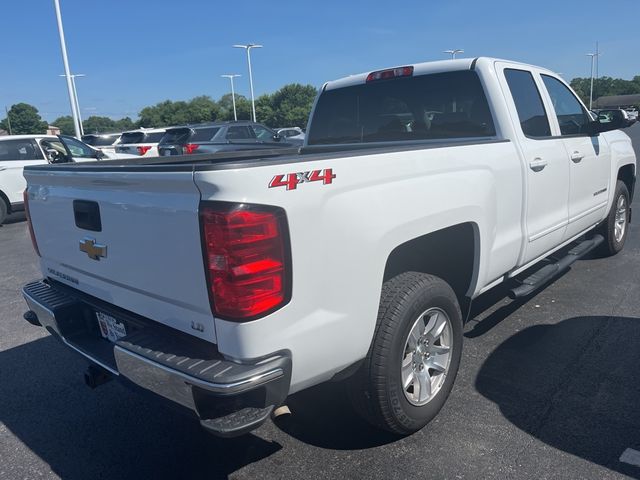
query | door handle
[537, 164]
[576, 157]
[3, 168]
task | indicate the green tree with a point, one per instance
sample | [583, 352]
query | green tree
[65, 124]
[202, 109]
[97, 124]
[24, 119]
[288, 107]
[168, 113]
[605, 86]
[225, 105]
[124, 124]
[264, 111]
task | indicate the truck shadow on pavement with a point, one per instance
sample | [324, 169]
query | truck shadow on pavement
[323, 417]
[14, 218]
[574, 385]
[111, 433]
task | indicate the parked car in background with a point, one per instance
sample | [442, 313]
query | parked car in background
[632, 113]
[292, 134]
[615, 115]
[19, 151]
[219, 137]
[142, 142]
[106, 142]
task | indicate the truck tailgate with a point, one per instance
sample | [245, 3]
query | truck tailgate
[132, 240]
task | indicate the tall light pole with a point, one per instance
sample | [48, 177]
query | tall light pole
[233, 94]
[454, 52]
[248, 48]
[593, 57]
[67, 72]
[75, 97]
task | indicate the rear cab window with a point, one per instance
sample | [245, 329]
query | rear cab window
[446, 105]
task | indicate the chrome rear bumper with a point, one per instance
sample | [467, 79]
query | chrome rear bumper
[187, 371]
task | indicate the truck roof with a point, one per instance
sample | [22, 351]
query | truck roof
[422, 69]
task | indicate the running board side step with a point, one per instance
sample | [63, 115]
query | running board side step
[548, 272]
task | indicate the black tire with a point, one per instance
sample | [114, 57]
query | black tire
[376, 389]
[3, 211]
[611, 245]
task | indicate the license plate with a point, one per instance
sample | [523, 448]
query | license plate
[110, 328]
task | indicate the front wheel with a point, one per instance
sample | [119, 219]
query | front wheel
[616, 226]
[414, 357]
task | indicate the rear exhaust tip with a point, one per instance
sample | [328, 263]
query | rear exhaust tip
[96, 376]
[31, 317]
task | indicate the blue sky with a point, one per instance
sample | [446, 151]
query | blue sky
[139, 52]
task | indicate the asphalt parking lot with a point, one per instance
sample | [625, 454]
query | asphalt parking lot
[548, 388]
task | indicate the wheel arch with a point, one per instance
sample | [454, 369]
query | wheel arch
[433, 253]
[627, 174]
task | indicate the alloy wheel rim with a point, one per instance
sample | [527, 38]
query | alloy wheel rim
[426, 356]
[621, 219]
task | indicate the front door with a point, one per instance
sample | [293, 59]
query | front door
[546, 169]
[589, 159]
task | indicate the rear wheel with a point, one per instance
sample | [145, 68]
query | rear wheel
[413, 360]
[616, 226]
[3, 211]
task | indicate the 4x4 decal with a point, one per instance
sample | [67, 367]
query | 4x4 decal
[292, 180]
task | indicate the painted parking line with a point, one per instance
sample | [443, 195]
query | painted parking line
[631, 456]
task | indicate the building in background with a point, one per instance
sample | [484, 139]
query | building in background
[617, 101]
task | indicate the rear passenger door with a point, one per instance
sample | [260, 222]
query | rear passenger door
[546, 168]
[14, 156]
[589, 158]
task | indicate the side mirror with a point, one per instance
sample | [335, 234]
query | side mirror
[100, 155]
[610, 120]
[277, 138]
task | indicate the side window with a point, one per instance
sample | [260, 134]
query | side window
[238, 133]
[78, 149]
[572, 117]
[533, 117]
[262, 133]
[19, 150]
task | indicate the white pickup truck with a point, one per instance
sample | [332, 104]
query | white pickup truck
[226, 282]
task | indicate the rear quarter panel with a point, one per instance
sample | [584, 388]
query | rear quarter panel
[342, 234]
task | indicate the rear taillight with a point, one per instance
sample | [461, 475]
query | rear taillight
[143, 149]
[247, 258]
[190, 147]
[26, 210]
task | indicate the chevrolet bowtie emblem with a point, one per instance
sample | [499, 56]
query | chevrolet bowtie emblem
[91, 248]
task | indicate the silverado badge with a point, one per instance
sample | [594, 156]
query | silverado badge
[92, 249]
